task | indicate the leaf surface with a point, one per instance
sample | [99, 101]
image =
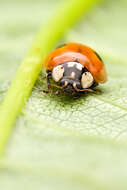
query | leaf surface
[60, 142]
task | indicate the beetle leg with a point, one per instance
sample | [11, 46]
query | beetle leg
[49, 76]
[88, 90]
[82, 90]
[46, 91]
[48, 82]
[85, 90]
[56, 86]
[98, 92]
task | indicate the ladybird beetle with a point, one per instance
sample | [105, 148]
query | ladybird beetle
[74, 68]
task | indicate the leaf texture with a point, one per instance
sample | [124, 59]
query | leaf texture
[60, 142]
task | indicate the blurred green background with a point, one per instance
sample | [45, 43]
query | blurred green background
[58, 142]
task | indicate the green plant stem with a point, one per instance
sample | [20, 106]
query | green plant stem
[66, 15]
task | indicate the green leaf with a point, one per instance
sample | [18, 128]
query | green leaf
[60, 142]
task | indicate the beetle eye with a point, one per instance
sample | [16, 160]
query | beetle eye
[57, 73]
[87, 80]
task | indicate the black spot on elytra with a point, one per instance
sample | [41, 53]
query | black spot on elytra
[98, 55]
[61, 45]
[80, 50]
